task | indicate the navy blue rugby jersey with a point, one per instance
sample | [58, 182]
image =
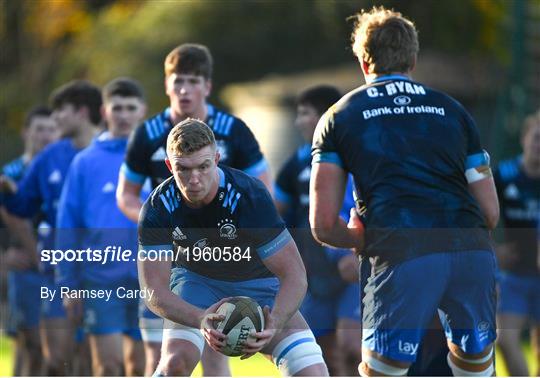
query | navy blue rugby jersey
[241, 219]
[408, 147]
[292, 188]
[146, 149]
[519, 198]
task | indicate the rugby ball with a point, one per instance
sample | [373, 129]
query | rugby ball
[243, 315]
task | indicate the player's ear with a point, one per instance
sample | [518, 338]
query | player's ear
[208, 87]
[103, 112]
[365, 67]
[168, 164]
[218, 156]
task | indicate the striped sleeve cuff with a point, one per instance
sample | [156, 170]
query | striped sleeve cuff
[327, 157]
[257, 169]
[275, 245]
[131, 175]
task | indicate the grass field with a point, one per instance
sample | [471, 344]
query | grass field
[255, 366]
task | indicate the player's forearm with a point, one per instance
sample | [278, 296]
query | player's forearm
[130, 205]
[289, 298]
[337, 234]
[23, 231]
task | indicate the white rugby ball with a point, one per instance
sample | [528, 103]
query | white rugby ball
[242, 316]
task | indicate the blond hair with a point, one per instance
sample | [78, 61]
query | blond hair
[189, 136]
[385, 40]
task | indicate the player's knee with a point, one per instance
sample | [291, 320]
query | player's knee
[296, 352]
[175, 364]
[372, 366]
[472, 365]
[108, 367]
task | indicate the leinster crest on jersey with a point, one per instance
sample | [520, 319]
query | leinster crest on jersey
[227, 229]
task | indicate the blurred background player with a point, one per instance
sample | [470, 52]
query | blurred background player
[518, 187]
[331, 305]
[188, 81]
[76, 110]
[24, 279]
[430, 199]
[257, 258]
[88, 217]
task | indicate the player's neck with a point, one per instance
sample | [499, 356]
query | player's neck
[200, 114]
[84, 136]
[531, 166]
[373, 76]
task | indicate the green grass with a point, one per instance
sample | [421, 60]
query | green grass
[254, 366]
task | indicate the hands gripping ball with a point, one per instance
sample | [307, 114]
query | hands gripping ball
[242, 316]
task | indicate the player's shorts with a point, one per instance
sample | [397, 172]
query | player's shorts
[322, 314]
[401, 300]
[52, 308]
[117, 314]
[150, 324]
[203, 292]
[24, 297]
[519, 294]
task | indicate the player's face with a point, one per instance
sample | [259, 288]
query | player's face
[187, 94]
[41, 131]
[123, 114]
[306, 120]
[196, 175]
[69, 119]
[531, 141]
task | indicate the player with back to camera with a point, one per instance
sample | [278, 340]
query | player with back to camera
[518, 186]
[188, 211]
[417, 161]
[76, 110]
[89, 218]
[188, 82]
[24, 279]
[332, 305]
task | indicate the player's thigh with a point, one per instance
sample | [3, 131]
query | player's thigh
[57, 338]
[399, 303]
[106, 349]
[133, 355]
[469, 302]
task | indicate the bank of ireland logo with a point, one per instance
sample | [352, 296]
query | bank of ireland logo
[227, 229]
[201, 243]
[402, 100]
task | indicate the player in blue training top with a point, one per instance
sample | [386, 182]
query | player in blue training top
[205, 208]
[332, 305]
[188, 73]
[24, 279]
[417, 162]
[76, 110]
[89, 218]
[518, 186]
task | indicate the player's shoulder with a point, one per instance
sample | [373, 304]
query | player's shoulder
[222, 122]
[165, 197]
[155, 127]
[15, 168]
[509, 169]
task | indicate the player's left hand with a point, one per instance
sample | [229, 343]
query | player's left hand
[215, 339]
[356, 224]
[261, 338]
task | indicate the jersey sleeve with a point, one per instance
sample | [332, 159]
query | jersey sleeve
[27, 201]
[261, 220]
[324, 147]
[136, 166]
[284, 188]
[248, 156]
[477, 161]
[154, 225]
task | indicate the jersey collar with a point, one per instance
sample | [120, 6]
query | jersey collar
[378, 79]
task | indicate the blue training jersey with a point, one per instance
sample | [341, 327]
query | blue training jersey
[228, 239]
[408, 147]
[15, 169]
[88, 216]
[146, 149]
[519, 198]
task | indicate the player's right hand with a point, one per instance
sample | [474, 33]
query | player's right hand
[7, 185]
[356, 224]
[215, 339]
[74, 310]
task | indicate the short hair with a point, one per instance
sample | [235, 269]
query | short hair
[190, 58]
[189, 136]
[36, 111]
[385, 40]
[530, 121]
[123, 87]
[79, 93]
[321, 97]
